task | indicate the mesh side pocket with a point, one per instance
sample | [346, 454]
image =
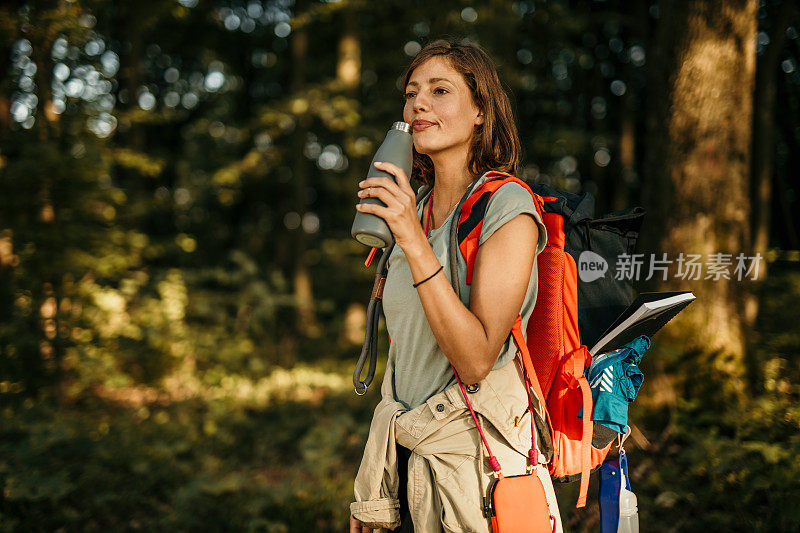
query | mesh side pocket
[545, 326]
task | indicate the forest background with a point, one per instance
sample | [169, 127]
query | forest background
[181, 303]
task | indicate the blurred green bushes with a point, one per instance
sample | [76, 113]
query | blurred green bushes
[210, 465]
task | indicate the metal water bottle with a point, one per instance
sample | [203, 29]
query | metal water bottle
[397, 148]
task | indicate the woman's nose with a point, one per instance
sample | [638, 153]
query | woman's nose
[420, 103]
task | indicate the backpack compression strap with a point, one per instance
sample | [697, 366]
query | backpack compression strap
[525, 355]
[576, 363]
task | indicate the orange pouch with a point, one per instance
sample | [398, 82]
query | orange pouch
[518, 504]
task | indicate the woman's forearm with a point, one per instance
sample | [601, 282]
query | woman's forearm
[460, 334]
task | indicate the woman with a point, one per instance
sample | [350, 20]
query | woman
[423, 461]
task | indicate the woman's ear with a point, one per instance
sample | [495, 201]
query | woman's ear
[479, 118]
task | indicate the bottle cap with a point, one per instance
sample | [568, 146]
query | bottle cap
[402, 126]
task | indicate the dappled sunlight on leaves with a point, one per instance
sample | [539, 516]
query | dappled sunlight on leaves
[181, 459]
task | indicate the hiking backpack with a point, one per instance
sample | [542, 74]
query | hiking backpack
[569, 313]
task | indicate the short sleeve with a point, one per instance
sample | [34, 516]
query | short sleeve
[510, 200]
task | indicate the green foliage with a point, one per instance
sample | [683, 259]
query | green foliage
[191, 465]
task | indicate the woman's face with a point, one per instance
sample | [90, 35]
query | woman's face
[440, 108]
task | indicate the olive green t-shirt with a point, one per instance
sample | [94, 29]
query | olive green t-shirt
[420, 366]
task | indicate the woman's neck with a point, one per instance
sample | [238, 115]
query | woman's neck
[452, 178]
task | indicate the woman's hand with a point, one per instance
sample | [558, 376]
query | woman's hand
[400, 212]
[357, 527]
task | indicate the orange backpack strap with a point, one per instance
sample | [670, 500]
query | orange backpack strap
[516, 331]
[576, 361]
[519, 339]
[470, 222]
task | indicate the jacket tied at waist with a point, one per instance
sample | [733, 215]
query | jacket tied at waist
[448, 472]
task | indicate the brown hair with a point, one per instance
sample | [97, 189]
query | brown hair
[495, 143]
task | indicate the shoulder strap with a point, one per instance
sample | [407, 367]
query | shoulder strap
[453, 241]
[465, 234]
[369, 350]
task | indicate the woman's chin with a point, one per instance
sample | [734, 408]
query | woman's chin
[424, 148]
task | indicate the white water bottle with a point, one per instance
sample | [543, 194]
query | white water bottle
[628, 511]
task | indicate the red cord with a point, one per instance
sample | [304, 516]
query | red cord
[533, 454]
[492, 459]
[430, 208]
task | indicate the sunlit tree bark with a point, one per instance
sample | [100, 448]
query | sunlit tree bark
[348, 66]
[697, 164]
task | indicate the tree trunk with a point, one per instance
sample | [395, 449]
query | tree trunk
[348, 66]
[764, 129]
[697, 167]
[8, 14]
[630, 108]
[301, 279]
[764, 151]
[48, 295]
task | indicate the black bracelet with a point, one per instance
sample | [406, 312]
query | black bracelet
[429, 277]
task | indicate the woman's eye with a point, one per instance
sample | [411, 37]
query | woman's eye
[409, 95]
[443, 91]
